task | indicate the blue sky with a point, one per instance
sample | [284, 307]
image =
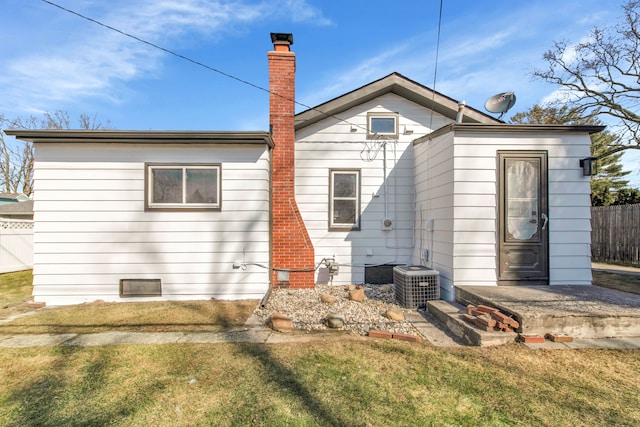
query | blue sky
[53, 60]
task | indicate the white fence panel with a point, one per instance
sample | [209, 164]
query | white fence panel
[16, 245]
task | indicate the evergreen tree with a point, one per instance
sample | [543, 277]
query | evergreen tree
[608, 182]
[628, 196]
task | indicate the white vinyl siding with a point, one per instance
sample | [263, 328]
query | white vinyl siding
[456, 185]
[332, 145]
[91, 228]
[434, 191]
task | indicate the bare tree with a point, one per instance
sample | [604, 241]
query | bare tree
[16, 156]
[601, 76]
[16, 162]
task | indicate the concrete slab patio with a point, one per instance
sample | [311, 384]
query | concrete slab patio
[580, 311]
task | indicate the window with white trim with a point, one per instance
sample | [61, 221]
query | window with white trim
[382, 124]
[344, 199]
[183, 186]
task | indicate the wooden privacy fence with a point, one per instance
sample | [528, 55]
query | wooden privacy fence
[615, 234]
[16, 245]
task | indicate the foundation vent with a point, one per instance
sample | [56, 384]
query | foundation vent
[140, 288]
[415, 285]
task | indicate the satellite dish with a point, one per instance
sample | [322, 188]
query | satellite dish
[500, 103]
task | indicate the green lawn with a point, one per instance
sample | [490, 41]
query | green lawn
[206, 315]
[621, 282]
[15, 290]
[338, 382]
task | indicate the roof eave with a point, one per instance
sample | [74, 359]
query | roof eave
[509, 129]
[142, 137]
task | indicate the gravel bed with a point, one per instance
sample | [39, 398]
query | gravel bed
[307, 311]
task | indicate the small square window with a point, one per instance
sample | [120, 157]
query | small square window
[382, 124]
[194, 187]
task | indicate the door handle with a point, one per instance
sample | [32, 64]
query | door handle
[545, 218]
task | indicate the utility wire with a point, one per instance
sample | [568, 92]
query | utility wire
[435, 71]
[198, 63]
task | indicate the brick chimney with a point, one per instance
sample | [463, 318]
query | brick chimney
[291, 249]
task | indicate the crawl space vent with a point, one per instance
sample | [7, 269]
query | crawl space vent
[140, 288]
[415, 285]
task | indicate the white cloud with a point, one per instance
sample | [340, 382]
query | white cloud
[92, 61]
[456, 60]
[162, 18]
[301, 11]
[371, 69]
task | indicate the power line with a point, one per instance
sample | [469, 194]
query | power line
[435, 70]
[193, 61]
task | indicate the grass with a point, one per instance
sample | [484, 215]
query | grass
[361, 382]
[15, 290]
[184, 316]
[621, 282]
[211, 315]
[346, 383]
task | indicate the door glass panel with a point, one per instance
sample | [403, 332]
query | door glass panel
[522, 199]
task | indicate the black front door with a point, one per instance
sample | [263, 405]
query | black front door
[523, 250]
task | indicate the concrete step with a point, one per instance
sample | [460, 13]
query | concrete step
[432, 329]
[448, 314]
[465, 296]
[589, 312]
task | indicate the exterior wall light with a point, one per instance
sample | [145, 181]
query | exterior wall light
[589, 166]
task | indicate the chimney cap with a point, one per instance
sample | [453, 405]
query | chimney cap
[282, 38]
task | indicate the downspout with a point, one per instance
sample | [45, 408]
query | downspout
[384, 177]
[266, 296]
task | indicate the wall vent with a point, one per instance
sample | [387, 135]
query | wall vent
[140, 288]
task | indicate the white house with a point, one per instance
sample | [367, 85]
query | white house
[505, 204]
[482, 202]
[391, 173]
[149, 215]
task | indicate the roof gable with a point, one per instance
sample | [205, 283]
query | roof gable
[401, 86]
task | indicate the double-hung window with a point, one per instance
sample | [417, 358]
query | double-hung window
[182, 186]
[382, 124]
[344, 199]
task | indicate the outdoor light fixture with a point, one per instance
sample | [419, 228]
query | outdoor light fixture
[589, 166]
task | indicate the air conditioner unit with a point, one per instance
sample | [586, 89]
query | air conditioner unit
[415, 285]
